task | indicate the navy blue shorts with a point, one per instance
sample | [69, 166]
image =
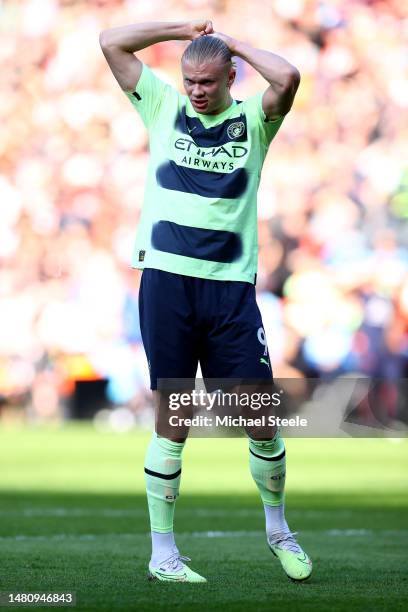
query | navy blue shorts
[185, 320]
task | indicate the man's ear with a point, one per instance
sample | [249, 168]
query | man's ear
[231, 76]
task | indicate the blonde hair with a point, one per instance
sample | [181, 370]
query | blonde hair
[207, 48]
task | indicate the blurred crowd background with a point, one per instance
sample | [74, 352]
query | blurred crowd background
[333, 202]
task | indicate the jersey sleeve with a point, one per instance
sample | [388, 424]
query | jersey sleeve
[266, 128]
[151, 96]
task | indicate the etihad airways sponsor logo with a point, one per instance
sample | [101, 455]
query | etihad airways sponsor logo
[220, 158]
[206, 163]
[230, 150]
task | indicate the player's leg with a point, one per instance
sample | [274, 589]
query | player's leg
[162, 475]
[236, 348]
[267, 462]
[168, 338]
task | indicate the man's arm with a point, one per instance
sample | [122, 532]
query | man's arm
[120, 44]
[283, 78]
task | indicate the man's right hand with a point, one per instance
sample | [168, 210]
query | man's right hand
[200, 27]
[120, 44]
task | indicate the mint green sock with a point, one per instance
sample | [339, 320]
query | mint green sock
[162, 476]
[267, 463]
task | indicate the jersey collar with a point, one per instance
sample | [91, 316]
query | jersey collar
[209, 120]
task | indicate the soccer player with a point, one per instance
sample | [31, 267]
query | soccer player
[197, 246]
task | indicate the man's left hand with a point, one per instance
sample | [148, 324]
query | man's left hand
[229, 41]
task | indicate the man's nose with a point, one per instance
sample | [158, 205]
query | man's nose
[197, 91]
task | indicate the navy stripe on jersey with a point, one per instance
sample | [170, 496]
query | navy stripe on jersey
[207, 244]
[234, 130]
[202, 182]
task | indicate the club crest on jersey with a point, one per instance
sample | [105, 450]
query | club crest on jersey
[236, 129]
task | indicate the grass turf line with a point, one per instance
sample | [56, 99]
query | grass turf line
[76, 483]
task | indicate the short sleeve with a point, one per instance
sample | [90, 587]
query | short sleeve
[150, 95]
[267, 128]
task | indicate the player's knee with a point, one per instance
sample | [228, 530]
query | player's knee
[258, 433]
[174, 438]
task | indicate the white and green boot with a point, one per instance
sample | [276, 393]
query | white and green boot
[174, 570]
[294, 560]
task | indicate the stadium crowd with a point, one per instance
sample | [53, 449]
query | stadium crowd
[333, 202]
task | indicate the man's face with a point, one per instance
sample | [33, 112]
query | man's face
[207, 85]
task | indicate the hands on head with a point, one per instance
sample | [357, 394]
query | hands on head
[201, 27]
[204, 27]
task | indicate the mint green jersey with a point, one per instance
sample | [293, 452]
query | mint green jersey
[199, 215]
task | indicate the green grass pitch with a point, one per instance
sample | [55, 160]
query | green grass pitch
[73, 517]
